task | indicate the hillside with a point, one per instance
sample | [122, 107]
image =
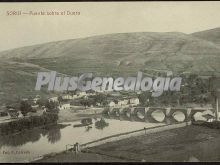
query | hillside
[166, 51]
[112, 54]
[18, 81]
[212, 35]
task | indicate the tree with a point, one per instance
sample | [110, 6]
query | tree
[41, 102]
[101, 124]
[84, 102]
[105, 103]
[50, 105]
[60, 99]
[212, 88]
[100, 98]
[143, 97]
[25, 107]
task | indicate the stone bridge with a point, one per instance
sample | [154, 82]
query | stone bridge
[151, 114]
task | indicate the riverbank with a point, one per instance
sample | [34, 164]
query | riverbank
[28, 123]
[190, 143]
[69, 115]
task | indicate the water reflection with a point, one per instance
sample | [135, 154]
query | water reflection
[54, 139]
[19, 139]
[193, 159]
[52, 134]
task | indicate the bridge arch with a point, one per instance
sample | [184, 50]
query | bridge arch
[115, 112]
[158, 115]
[149, 112]
[179, 116]
[178, 111]
[126, 112]
[201, 111]
[139, 112]
[169, 114]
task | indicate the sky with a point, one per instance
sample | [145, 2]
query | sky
[98, 18]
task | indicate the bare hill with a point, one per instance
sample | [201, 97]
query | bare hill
[164, 51]
[212, 35]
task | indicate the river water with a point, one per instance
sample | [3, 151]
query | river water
[31, 144]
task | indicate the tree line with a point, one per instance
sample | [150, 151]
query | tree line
[28, 123]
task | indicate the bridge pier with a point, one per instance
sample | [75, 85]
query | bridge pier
[168, 116]
[188, 114]
[145, 115]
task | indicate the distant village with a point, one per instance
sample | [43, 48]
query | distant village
[36, 106]
[194, 90]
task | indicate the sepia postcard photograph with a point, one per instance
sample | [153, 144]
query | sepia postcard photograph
[135, 81]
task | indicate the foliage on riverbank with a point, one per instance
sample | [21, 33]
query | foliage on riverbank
[50, 132]
[28, 123]
[215, 124]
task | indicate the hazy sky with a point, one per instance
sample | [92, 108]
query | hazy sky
[102, 18]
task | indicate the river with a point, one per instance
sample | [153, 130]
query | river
[31, 144]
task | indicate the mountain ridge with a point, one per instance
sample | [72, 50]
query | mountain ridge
[120, 54]
[212, 35]
[139, 49]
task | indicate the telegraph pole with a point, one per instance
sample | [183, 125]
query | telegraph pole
[216, 111]
[215, 92]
